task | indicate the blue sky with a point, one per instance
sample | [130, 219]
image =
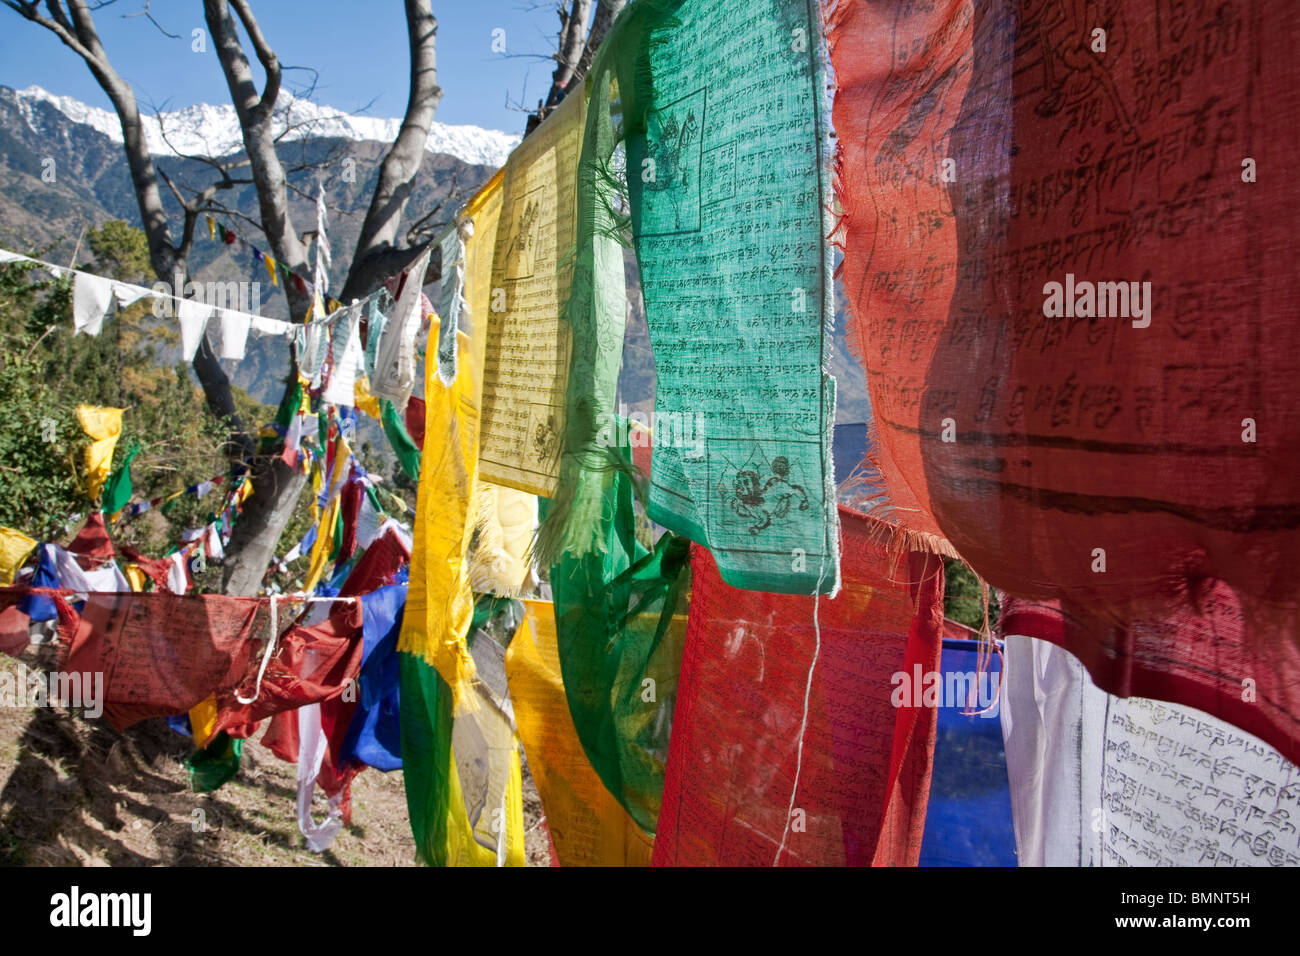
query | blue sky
[358, 47]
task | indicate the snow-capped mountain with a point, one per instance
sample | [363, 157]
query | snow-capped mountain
[214, 130]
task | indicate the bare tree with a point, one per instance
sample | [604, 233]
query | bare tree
[378, 255]
[276, 487]
[576, 47]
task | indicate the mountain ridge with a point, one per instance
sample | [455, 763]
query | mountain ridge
[213, 130]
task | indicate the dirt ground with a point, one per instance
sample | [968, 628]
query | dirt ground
[75, 792]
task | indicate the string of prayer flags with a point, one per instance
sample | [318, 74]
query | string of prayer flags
[103, 426]
[199, 489]
[93, 295]
[729, 208]
[526, 363]
[794, 742]
[159, 653]
[588, 825]
[1073, 332]
[275, 269]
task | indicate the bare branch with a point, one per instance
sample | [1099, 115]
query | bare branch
[235, 214]
[144, 13]
[576, 49]
[255, 121]
[606, 13]
[265, 55]
[60, 26]
[375, 247]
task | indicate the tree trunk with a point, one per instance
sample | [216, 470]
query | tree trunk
[376, 257]
[575, 51]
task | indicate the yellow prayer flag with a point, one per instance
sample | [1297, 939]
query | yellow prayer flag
[523, 414]
[440, 604]
[14, 548]
[588, 825]
[324, 543]
[270, 268]
[135, 577]
[104, 426]
[364, 400]
[484, 210]
[203, 719]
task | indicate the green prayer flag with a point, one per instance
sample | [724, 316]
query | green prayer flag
[426, 755]
[408, 453]
[118, 489]
[289, 405]
[620, 616]
[721, 106]
[216, 764]
[447, 758]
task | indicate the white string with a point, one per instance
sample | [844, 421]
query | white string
[266, 656]
[275, 631]
[807, 697]
[59, 270]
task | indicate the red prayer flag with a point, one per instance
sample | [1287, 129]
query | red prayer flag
[1078, 309]
[14, 633]
[92, 546]
[414, 420]
[1256, 691]
[864, 771]
[160, 653]
[308, 665]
